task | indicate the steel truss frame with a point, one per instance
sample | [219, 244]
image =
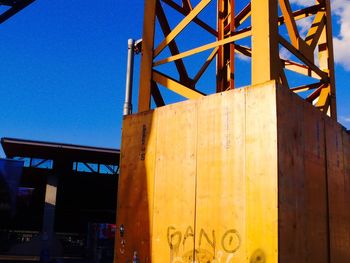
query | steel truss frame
[266, 62]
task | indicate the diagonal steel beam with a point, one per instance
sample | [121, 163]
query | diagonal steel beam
[175, 86]
[307, 87]
[157, 96]
[187, 5]
[172, 45]
[14, 10]
[205, 65]
[299, 55]
[243, 15]
[196, 20]
[290, 22]
[302, 13]
[316, 29]
[181, 26]
[238, 35]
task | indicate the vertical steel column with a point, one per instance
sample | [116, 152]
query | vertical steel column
[326, 62]
[225, 59]
[129, 78]
[231, 47]
[265, 57]
[147, 55]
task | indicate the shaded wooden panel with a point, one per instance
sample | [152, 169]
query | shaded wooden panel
[175, 182]
[135, 188]
[220, 200]
[315, 191]
[261, 174]
[291, 178]
[346, 151]
[244, 176]
[337, 193]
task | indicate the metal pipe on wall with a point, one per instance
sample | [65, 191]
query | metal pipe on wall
[129, 77]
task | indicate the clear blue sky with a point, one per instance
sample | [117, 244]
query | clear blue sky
[62, 70]
[62, 67]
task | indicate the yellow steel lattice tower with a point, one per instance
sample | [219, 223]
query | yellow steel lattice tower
[258, 174]
[312, 53]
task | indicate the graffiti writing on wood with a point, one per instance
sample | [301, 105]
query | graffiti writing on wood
[229, 241]
[206, 250]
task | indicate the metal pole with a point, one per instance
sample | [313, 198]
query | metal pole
[129, 77]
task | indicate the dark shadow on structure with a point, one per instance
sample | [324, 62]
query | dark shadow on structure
[135, 190]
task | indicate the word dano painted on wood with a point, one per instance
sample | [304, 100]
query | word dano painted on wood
[209, 246]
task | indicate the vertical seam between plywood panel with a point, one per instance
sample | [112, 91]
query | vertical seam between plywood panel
[327, 189]
[345, 171]
[244, 172]
[155, 116]
[344, 180]
[195, 185]
[276, 87]
[303, 201]
[278, 167]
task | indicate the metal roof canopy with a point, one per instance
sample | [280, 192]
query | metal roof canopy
[54, 151]
[15, 7]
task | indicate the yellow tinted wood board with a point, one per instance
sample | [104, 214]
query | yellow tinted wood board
[135, 188]
[261, 174]
[174, 194]
[239, 176]
[220, 200]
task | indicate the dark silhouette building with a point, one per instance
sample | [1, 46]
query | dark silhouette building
[66, 196]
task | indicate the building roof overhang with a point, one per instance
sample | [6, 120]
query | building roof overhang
[59, 151]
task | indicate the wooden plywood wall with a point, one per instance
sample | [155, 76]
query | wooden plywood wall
[313, 184]
[248, 175]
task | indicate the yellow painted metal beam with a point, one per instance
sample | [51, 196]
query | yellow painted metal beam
[306, 87]
[176, 86]
[326, 58]
[264, 50]
[290, 22]
[316, 29]
[283, 76]
[302, 13]
[184, 11]
[164, 24]
[238, 35]
[181, 26]
[243, 50]
[265, 59]
[299, 68]
[205, 65]
[324, 99]
[303, 58]
[187, 4]
[242, 16]
[293, 32]
[147, 55]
